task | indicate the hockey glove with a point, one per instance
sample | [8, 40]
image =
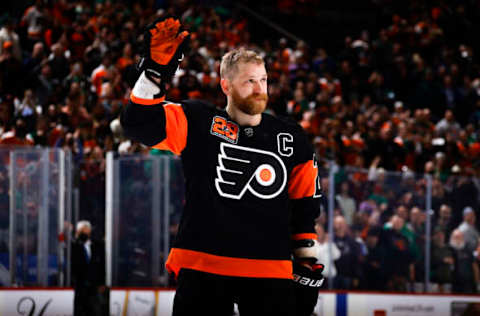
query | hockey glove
[308, 280]
[163, 50]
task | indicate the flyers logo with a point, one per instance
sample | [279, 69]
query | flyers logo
[224, 129]
[241, 169]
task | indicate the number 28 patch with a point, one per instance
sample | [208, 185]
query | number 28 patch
[224, 129]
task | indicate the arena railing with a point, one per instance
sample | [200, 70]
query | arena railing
[36, 186]
[144, 197]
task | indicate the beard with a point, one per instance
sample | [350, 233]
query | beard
[253, 104]
[457, 245]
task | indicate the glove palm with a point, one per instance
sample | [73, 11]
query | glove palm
[165, 40]
[163, 49]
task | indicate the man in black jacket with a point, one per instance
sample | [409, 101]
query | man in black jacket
[88, 271]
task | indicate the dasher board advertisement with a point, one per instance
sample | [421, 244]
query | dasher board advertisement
[36, 302]
[124, 302]
[409, 305]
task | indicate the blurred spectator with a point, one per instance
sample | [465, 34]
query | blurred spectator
[77, 76]
[467, 227]
[34, 19]
[11, 79]
[402, 212]
[324, 251]
[74, 115]
[399, 268]
[8, 35]
[88, 272]
[58, 62]
[466, 274]
[100, 73]
[447, 125]
[45, 85]
[416, 238]
[417, 221]
[442, 261]
[346, 203]
[348, 267]
[73, 143]
[27, 110]
[32, 63]
[17, 136]
[374, 266]
[444, 220]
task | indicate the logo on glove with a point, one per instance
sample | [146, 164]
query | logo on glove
[307, 281]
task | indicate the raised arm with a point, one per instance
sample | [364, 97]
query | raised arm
[148, 118]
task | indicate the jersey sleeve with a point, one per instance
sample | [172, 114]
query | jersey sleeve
[304, 190]
[152, 121]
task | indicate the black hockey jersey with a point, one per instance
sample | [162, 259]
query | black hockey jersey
[249, 189]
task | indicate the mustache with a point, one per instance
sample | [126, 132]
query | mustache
[256, 96]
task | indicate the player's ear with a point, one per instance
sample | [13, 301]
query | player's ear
[225, 85]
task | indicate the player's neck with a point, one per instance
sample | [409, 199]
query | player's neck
[243, 118]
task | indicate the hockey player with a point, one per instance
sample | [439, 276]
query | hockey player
[251, 186]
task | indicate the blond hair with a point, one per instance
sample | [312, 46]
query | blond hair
[230, 61]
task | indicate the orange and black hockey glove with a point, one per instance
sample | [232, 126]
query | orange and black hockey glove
[163, 47]
[308, 280]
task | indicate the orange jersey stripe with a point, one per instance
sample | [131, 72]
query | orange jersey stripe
[176, 129]
[146, 101]
[302, 181]
[239, 267]
[304, 236]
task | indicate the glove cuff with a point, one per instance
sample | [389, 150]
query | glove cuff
[147, 90]
[306, 249]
